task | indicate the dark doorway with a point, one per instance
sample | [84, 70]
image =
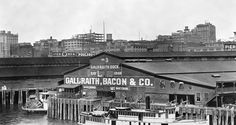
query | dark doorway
[180, 97]
[147, 100]
[23, 97]
[1, 98]
[16, 97]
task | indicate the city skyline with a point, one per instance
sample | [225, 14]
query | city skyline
[35, 20]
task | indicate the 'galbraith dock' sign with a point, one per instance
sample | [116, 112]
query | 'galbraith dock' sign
[115, 81]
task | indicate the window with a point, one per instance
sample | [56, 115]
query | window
[206, 96]
[181, 85]
[172, 84]
[198, 97]
[162, 84]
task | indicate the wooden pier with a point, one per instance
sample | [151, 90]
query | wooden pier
[69, 109]
[76, 109]
[217, 116]
[17, 96]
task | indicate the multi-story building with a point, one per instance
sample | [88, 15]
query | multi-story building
[74, 44]
[44, 46]
[164, 38]
[207, 32]
[87, 43]
[22, 50]
[92, 37]
[202, 33]
[7, 39]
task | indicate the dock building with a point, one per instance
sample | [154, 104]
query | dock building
[111, 76]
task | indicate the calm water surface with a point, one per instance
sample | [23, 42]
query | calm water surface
[15, 116]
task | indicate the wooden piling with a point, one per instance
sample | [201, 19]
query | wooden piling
[11, 97]
[75, 110]
[64, 109]
[219, 117]
[49, 107]
[53, 108]
[223, 117]
[166, 113]
[232, 115]
[20, 97]
[60, 109]
[71, 110]
[78, 109]
[0, 97]
[56, 108]
[4, 97]
[69, 106]
[227, 117]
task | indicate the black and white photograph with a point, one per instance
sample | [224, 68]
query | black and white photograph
[117, 62]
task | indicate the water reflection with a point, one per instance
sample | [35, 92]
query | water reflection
[13, 115]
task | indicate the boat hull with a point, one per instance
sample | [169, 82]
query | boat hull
[35, 110]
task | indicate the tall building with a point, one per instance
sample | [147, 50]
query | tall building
[206, 32]
[7, 39]
[202, 33]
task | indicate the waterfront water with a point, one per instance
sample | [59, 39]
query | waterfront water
[15, 116]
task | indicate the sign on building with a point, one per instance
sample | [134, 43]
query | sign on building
[105, 70]
[113, 81]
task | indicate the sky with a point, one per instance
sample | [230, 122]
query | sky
[125, 19]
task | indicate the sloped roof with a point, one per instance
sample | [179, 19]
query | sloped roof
[34, 71]
[196, 72]
[126, 55]
[204, 78]
[161, 68]
[43, 61]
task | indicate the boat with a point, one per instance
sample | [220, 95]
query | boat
[35, 104]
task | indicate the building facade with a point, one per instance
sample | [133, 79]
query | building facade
[109, 76]
[42, 48]
[7, 39]
[206, 32]
[202, 33]
[92, 37]
[22, 50]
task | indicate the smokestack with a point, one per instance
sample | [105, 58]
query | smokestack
[104, 34]
[235, 36]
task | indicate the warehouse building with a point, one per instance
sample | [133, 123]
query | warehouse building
[109, 76]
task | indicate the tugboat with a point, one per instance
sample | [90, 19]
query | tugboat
[33, 104]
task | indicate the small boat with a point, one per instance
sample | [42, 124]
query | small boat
[35, 104]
